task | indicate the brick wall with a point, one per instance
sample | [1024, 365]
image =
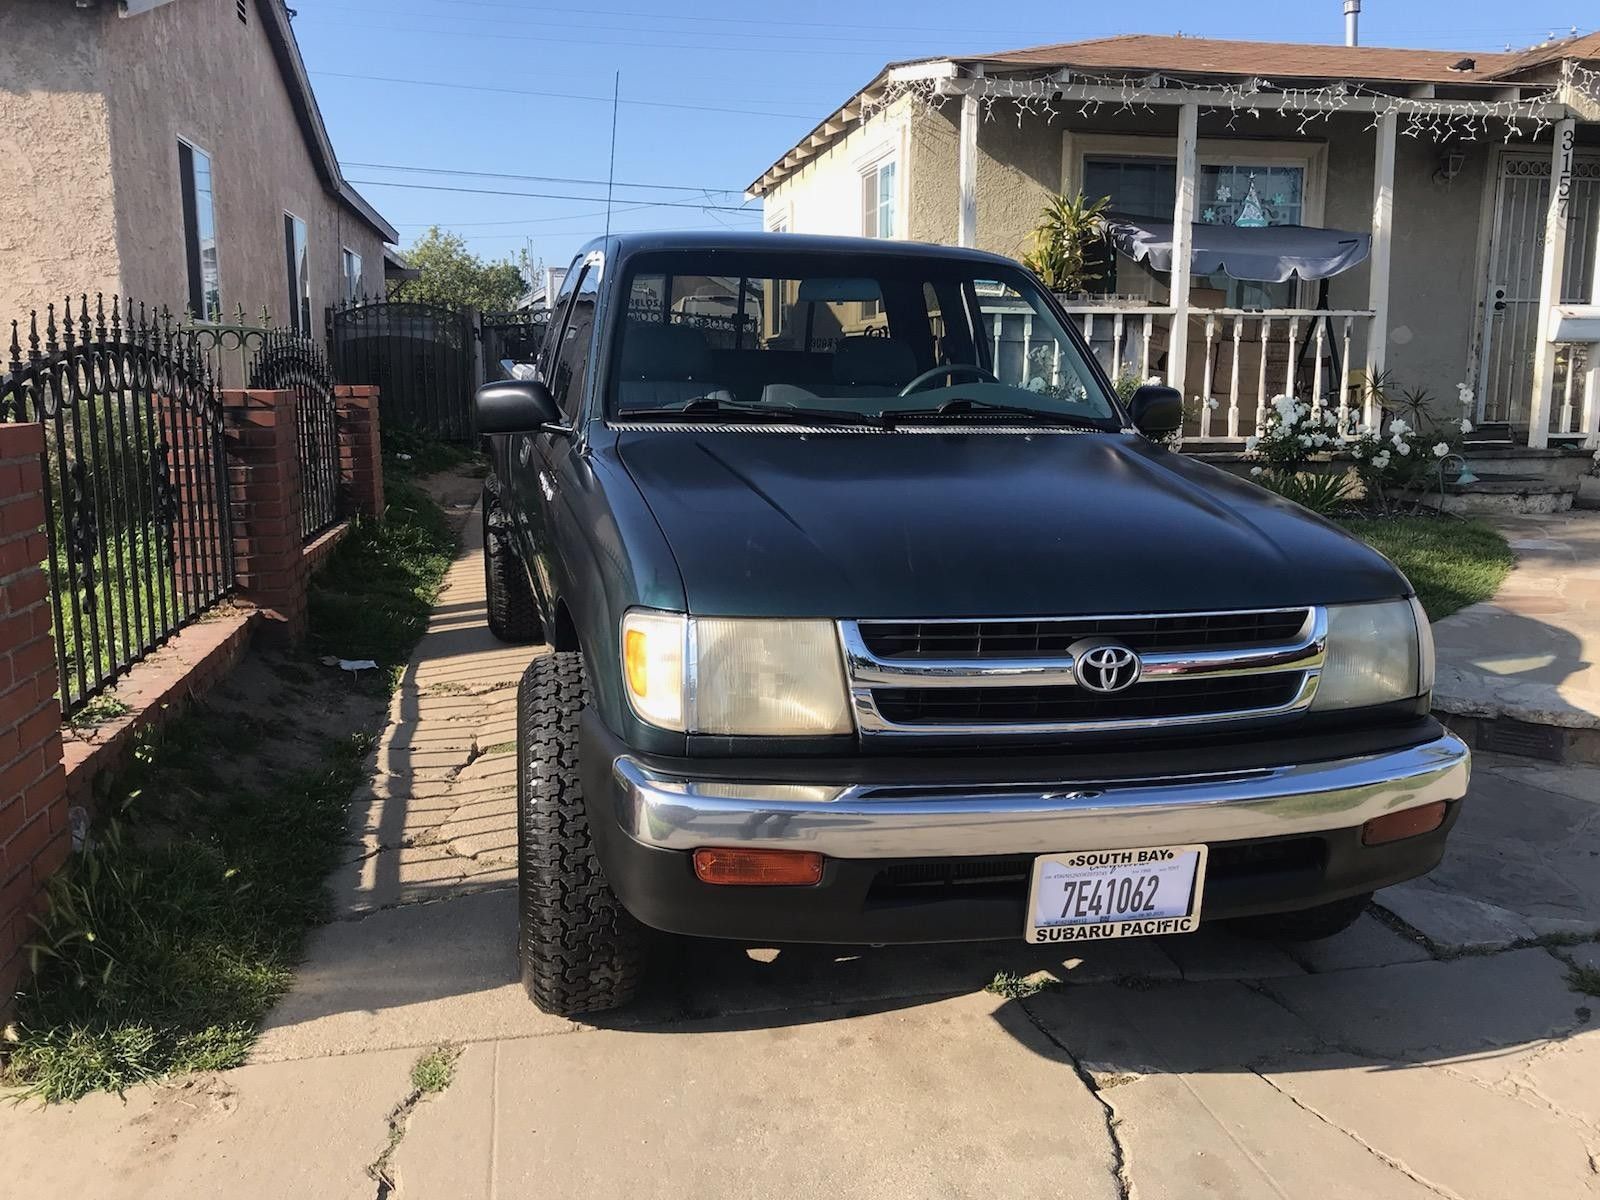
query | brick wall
[360, 451]
[34, 835]
[264, 507]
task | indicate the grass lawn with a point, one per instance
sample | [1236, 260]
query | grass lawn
[1451, 563]
[166, 943]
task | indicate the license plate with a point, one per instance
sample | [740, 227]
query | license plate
[1092, 894]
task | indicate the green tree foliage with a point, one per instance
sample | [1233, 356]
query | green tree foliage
[1064, 241]
[452, 275]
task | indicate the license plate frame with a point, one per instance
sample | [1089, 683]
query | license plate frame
[1052, 872]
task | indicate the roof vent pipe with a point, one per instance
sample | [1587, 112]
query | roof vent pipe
[1352, 19]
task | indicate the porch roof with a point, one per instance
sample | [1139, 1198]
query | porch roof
[1428, 73]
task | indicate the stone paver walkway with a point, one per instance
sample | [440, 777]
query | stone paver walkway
[1532, 653]
[1436, 1051]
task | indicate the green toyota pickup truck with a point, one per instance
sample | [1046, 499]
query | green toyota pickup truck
[875, 617]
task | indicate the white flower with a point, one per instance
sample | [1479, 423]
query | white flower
[1305, 440]
[1355, 453]
[1465, 394]
[1255, 470]
[1154, 379]
[1250, 444]
[1381, 459]
[1397, 427]
[1403, 448]
[1441, 449]
[1212, 403]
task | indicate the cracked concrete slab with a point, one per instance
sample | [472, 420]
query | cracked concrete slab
[1461, 1139]
[295, 1129]
[1218, 953]
[914, 1102]
[1367, 943]
[1438, 1009]
[1233, 1136]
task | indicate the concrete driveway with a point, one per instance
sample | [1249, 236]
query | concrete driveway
[1435, 1050]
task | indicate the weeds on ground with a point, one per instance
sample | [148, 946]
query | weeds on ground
[97, 710]
[166, 941]
[433, 1072]
[1019, 987]
[1451, 563]
[1584, 979]
[411, 452]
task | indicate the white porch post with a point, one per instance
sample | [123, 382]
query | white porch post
[967, 166]
[1382, 257]
[1555, 261]
[1182, 246]
[1591, 387]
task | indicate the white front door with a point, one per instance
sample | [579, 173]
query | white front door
[1510, 311]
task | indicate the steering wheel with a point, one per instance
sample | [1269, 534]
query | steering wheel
[949, 369]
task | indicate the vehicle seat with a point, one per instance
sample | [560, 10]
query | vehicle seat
[870, 366]
[664, 366]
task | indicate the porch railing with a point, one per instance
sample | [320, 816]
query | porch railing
[1239, 359]
[1575, 413]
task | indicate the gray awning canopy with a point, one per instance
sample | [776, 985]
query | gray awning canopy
[1267, 254]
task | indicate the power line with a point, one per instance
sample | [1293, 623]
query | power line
[439, 187]
[658, 187]
[474, 87]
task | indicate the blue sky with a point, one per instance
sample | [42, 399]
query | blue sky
[711, 93]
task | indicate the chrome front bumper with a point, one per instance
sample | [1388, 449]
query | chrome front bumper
[674, 812]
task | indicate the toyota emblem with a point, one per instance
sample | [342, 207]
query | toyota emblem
[1105, 666]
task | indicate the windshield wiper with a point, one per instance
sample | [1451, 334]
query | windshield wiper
[964, 407]
[710, 406]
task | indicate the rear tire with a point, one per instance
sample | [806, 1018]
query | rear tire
[580, 950]
[1309, 924]
[513, 617]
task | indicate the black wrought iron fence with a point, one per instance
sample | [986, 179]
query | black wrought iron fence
[511, 338]
[268, 356]
[422, 358]
[134, 476]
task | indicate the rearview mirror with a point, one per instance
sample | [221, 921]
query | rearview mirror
[1157, 411]
[516, 406]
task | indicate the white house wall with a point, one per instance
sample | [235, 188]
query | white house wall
[824, 196]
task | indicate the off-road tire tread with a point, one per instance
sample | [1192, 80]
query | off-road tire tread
[513, 617]
[1309, 924]
[580, 950]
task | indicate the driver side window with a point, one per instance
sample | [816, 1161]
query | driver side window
[1021, 352]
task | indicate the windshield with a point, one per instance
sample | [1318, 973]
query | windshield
[812, 336]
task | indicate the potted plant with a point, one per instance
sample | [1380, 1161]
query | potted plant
[1064, 242]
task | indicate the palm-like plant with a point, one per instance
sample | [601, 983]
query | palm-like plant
[1068, 228]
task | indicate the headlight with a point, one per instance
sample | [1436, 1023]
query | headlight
[735, 675]
[1376, 653]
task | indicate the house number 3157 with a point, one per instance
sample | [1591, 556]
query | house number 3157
[1564, 177]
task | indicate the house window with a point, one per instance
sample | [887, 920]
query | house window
[1226, 193]
[199, 232]
[296, 259]
[877, 201]
[350, 263]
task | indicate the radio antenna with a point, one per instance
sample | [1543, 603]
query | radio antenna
[611, 171]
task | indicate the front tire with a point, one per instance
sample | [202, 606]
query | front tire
[580, 950]
[1309, 924]
[508, 595]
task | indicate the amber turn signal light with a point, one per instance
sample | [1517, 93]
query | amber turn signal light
[1408, 822]
[758, 868]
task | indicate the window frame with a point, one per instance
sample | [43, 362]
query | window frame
[345, 255]
[873, 170]
[1312, 156]
[189, 228]
[299, 299]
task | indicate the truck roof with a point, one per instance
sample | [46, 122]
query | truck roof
[625, 245]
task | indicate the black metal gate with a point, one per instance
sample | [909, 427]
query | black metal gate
[287, 362]
[511, 338]
[421, 357]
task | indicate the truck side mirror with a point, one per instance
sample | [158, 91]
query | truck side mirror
[515, 406]
[1157, 411]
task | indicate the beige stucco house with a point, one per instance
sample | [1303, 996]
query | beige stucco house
[172, 151]
[1439, 164]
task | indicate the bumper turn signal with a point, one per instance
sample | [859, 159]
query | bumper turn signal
[758, 868]
[1408, 822]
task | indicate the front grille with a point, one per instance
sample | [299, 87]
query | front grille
[1050, 638]
[1020, 705]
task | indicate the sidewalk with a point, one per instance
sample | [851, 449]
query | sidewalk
[1532, 653]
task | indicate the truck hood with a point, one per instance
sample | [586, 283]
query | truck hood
[974, 524]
